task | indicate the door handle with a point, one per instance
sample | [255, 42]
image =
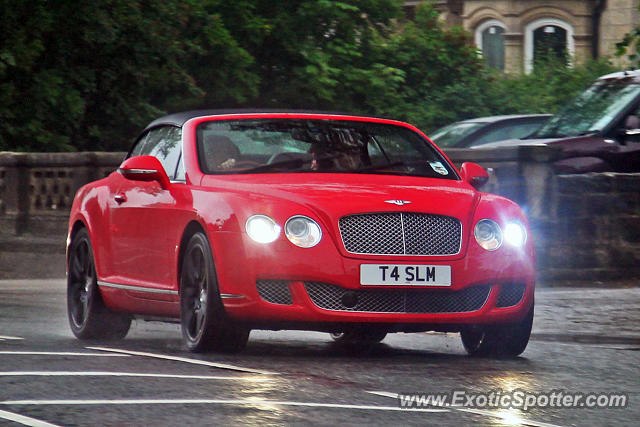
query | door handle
[120, 198]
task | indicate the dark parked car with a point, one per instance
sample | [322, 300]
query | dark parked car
[483, 130]
[598, 131]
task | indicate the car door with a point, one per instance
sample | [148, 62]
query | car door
[626, 156]
[143, 215]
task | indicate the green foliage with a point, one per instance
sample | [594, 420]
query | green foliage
[545, 90]
[629, 46]
[550, 85]
[88, 75]
[437, 64]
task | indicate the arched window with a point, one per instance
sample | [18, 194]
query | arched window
[548, 37]
[490, 41]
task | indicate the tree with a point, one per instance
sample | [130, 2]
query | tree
[88, 74]
[312, 53]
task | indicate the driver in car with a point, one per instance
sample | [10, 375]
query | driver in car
[220, 152]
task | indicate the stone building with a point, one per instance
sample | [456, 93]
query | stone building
[511, 33]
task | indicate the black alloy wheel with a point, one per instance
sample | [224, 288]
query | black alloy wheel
[88, 317]
[501, 341]
[205, 325]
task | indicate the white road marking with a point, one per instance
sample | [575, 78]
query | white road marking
[7, 337]
[60, 353]
[250, 402]
[24, 420]
[125, 374]
[512, 418]
[184, 359]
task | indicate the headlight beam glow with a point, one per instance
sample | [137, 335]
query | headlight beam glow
[262, 229]
[515, 234]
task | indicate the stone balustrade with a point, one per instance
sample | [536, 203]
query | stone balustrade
[37, 189]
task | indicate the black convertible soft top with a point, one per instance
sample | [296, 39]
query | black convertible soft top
[179, 119]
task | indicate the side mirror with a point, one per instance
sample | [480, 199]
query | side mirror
[474, 174]
[144, 168]
[632, 122]
[631, 129]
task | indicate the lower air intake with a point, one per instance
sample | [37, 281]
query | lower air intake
[274, 291]
[332, 297]
[510, 295]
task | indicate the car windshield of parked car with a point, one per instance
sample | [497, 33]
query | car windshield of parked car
[592, 110]
[277, 145]
[450, 135]
[515, 130]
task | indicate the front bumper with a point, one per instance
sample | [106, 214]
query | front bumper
[321, 286]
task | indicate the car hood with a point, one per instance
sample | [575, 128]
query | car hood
[332, 196]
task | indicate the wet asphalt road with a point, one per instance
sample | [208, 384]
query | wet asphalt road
[585, 340]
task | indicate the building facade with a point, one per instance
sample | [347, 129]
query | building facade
[512, 33]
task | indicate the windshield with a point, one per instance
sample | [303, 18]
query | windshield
[316, 146]
[450, 135]
[592, 110]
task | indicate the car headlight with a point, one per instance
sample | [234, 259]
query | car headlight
[302, 231]
[515, 234]
[488, 234]
[262, 229]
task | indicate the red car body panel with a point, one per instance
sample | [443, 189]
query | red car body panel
[137, 230]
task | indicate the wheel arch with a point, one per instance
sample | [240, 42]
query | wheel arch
[78, 225]
[192, 228]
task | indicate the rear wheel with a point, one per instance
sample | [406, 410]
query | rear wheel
[508, 340]
[357, 336]
[88, 317]
[205, 325]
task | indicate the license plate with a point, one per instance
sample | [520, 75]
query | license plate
[414, 275]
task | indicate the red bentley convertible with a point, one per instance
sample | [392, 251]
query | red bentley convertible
[356, 226]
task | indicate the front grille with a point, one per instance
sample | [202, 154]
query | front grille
[274, 291]
[510, 295]
[332, 297]
[399, 233]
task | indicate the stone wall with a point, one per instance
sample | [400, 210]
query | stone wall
[618, 18]
[585, 227]
[596, 233]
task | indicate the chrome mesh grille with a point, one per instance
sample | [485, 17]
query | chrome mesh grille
[510, 295]
[330, 297]
[274, 291]
[399, 233]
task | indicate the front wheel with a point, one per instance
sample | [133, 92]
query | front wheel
[205, 325]
[88, 316]
[508, 340]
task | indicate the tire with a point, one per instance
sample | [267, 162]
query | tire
[205, 325]
[358, 336]
[87, 314]
[505, 341]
